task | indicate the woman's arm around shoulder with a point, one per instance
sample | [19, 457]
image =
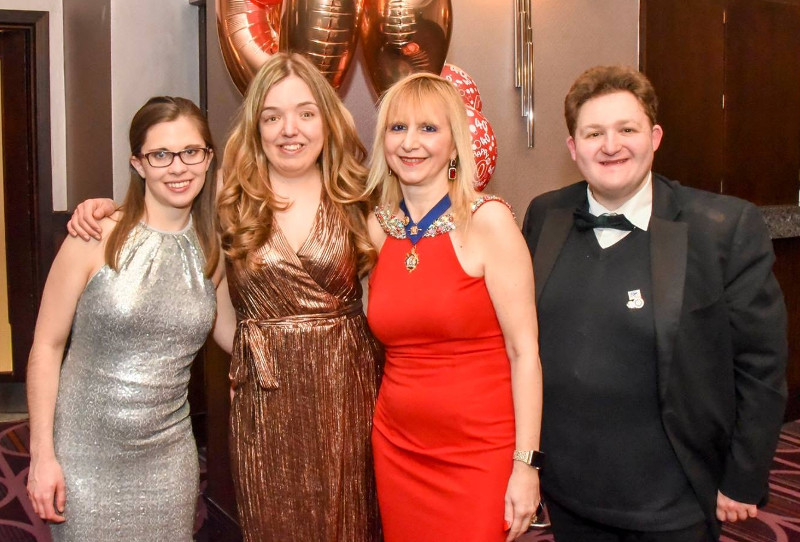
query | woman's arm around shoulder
[499, 246]
[376, 233]
[73, 267]
[86, 220]
[225, 324]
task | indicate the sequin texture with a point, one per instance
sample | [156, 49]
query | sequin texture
[122, 429]
[394, 226]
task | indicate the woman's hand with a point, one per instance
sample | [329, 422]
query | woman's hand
[84, 222]
[522, 498]
[46, 485]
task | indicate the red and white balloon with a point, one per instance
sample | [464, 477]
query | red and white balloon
[484, 144]
[484, 147]
[464, 84]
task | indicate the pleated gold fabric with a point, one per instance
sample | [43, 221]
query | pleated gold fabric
[306, 369]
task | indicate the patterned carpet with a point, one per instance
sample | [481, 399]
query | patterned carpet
[18, 523]
[778, 522]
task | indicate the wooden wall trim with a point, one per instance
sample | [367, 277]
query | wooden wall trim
[30, 246]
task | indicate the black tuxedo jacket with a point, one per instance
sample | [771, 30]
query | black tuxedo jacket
[720, 324]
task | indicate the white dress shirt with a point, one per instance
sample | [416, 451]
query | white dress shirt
[637, 209]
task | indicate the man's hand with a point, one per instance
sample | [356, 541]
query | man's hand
[730, 510]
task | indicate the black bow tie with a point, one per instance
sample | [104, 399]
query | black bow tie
[584, 220]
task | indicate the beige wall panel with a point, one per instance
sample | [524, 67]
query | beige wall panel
[151, 56]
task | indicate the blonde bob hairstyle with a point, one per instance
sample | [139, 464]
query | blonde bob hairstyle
[247, 200]
[157, 110]
[417, 95]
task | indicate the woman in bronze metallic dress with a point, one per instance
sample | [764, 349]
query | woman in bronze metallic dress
[304, 370]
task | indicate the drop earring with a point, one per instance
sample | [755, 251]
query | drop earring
[451, 170]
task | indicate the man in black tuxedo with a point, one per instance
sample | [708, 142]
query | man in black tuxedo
[662, 335]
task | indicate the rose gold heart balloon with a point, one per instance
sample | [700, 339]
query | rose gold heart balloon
[248, 36]
[250, 31]
[402, 37]
[325, 31]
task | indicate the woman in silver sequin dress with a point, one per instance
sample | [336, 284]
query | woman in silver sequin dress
[112, 452]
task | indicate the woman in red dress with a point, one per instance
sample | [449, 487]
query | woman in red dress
[452, 300]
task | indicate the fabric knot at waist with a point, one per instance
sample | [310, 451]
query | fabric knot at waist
[252, 346]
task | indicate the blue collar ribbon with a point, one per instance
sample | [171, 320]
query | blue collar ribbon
[416, 231]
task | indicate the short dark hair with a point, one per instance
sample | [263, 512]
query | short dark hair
[602, 80]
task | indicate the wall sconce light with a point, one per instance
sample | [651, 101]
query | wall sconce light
[523, 61]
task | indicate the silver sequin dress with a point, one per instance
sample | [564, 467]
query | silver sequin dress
[122, 429]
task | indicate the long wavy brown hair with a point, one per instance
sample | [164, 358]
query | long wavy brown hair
[155, 111]
[246, 201]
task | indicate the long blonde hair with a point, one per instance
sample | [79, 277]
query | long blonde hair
[247, 200]
[423, 92]
[155, 111]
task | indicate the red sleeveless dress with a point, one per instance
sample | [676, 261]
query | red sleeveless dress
[443, 433]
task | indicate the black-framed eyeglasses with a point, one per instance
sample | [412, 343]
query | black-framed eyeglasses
[164, 158]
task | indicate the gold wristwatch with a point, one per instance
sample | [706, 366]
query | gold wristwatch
[534, 458]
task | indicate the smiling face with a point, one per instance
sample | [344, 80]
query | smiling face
[418, 144]
[174, 186]
[613, 146]
[291, 128]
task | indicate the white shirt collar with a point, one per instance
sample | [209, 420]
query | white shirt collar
[637, 209]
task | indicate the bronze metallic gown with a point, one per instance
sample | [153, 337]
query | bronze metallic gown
[305, 367]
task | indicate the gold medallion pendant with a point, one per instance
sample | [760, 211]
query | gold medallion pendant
[412, 259]
[415, 231]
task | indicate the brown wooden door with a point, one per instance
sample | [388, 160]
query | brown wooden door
[682, 54]
[762, 101]
[727, 73]
[16, 74]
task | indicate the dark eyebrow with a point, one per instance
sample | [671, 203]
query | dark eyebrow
[186, 148]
